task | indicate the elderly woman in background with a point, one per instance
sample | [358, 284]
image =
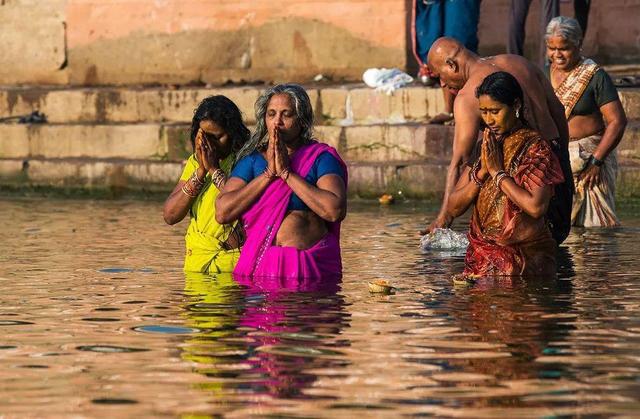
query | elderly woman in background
[596, 123]
[290, 192]
[217, 134]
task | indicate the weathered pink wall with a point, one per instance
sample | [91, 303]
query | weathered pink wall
[131, 42]
[212, 41]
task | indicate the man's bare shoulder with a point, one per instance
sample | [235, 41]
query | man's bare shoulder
[466, 97]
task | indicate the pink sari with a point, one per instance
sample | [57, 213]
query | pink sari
[260, 258]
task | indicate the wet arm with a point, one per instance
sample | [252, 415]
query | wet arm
[237, 196]
[463, 195]
[328, 199]
[466, 133]
[534, 202]
[178, 203]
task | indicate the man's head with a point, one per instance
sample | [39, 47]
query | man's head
[446, 60]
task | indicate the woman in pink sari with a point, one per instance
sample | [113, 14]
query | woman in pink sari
[290, 192]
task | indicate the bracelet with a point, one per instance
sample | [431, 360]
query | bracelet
[187, 191]
[218, 178]
[595, 161]
[474, 175]
[499, 177]
[196, 180]
[284, 175]
[268, 173]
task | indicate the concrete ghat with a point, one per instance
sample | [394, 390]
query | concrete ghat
[138, 138]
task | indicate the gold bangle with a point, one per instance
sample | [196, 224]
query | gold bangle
[284, 175]
[187, 191]
[500, 177]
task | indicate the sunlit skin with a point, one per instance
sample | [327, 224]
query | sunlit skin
[501, 120]
[326, 199]
[462, 70]
[610, 121]
[212, 145]
[562, 54]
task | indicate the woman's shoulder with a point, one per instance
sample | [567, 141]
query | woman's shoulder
[530, 134]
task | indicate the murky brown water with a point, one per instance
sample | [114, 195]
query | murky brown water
[97, 320]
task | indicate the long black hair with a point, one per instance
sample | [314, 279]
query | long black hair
[221, 110]
[504, 88]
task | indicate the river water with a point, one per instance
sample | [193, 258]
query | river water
[97, 320]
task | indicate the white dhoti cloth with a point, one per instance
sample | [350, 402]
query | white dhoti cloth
[593, 207]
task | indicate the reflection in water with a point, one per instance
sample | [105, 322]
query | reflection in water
[271, 332]
[98, 320]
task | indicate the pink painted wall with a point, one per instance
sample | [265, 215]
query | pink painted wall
[132, 42]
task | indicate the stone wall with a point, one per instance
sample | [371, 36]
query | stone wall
[130, 42]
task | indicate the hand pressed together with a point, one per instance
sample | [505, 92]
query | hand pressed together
[206, 153]
[492, 158]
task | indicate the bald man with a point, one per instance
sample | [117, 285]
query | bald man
[461, 71]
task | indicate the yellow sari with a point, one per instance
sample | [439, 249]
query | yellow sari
[204, 237]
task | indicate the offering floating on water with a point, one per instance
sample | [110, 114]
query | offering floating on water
[380, 286]
[386, 199]
[444, 239]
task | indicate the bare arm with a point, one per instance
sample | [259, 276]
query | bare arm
[237, 196]
[328, 199]
[467, 123]
[616, 122]
[463, 195]
[177, 205]
[534, 202]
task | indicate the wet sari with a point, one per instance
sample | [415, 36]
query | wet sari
[503, 239]
[205, 237]
[260, 257]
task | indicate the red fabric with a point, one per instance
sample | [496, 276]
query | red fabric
[503, 254]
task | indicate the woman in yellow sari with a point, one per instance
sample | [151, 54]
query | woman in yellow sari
[217, 133]
[510, 182]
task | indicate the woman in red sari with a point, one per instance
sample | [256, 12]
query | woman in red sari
[510, 183]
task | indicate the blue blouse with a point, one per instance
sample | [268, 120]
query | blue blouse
[255, 164]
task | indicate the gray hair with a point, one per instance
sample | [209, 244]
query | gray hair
[565, 27]
[303, 110]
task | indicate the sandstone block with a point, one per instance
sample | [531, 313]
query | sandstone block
[630, 99]
[10, 169]
[370, 107]
[151, 173]
[33, 43]
[140, 141]
[414, 103]
[334, 102]
[435, 101]
[365, 143]
[13, 141]
[328, 134]
[368, 180]
[76, 105]
[629, 147]
[177, 141]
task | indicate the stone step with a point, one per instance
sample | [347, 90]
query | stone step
[170, 142]
[407, 178]
[343, 105]
[353, 104]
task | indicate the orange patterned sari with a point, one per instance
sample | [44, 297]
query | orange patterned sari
[504, 240]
